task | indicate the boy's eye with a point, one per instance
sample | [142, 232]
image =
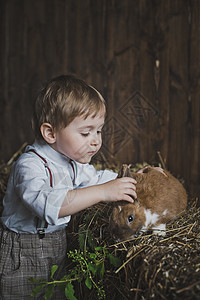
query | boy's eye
[85, 133]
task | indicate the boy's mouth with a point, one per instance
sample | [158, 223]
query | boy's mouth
[91, 153]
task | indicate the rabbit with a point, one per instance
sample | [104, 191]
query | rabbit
[160, 198]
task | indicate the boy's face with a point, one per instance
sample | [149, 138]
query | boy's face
[81, 139]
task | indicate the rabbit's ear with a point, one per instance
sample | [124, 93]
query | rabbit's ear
[128, 172]
[122, 171]
[125, 171]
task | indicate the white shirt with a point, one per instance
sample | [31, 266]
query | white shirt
[29, 195]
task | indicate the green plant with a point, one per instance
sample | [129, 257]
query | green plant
[89, 267]
[89, 264]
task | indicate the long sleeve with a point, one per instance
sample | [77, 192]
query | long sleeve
[87, 175]
[29, 195]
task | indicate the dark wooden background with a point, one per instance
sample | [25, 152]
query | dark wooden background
[142, 55]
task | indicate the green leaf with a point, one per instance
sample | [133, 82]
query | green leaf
[34, 280]
[53, 270]
[115, 261]
[99, 249]
[42, 280]
[92, 268]
[88, 283]
[69, 292]
[101, 269]
[93, 256]
[37, 289]
[81, 239]
[49, 292]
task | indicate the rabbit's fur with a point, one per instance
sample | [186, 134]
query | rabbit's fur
[160, 198]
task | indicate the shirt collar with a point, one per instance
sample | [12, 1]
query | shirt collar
[46, 151]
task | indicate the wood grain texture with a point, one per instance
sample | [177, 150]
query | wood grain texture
[142, 55]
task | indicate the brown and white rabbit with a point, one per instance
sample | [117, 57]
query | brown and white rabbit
[160, 198]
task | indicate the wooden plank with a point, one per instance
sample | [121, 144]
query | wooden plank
[178, 85]
[192, 161]
[142, 55]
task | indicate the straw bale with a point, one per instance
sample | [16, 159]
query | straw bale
[152, 267]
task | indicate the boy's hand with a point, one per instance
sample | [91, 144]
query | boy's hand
[120, 189]
[114, 190]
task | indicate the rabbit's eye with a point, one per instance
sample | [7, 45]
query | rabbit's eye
[130, 218]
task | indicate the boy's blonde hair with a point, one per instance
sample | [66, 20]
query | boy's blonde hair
[62, 100]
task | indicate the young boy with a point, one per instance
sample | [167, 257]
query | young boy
[51, 181]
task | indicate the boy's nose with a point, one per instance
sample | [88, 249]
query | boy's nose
[95, 139]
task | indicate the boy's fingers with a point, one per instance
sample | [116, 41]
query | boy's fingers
[129, 195]
[128, 179]
[128, 198]
[133, 194]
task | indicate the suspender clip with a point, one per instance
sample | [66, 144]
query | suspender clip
[41, 233]
[41, 226]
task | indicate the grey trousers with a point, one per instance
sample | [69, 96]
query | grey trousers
[25, 255]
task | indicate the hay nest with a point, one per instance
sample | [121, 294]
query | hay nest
[151, 267]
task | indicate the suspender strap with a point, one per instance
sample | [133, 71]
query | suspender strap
[74, 168]
[73, 165]
[42, 224]
[46, 166]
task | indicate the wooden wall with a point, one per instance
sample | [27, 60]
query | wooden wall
[142, 55]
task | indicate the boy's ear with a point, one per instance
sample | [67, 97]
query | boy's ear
[48, 133]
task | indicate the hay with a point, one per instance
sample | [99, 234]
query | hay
[152, 267]
[5, 172]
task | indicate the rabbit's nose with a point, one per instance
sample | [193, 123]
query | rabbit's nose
[114, 230]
